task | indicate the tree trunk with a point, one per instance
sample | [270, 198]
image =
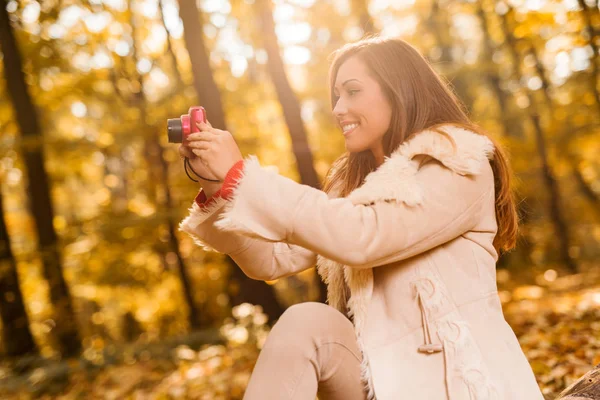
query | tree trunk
[438, 24]
[16, 336]
[591, 33]
[207, 90]
[511, 127]
[157, 162]
[251, 291]
[550, 181]
[360, 8]
[114, 165]
[170, 51]
[290, 103]
[493, 77]
[539, 68]
[39, 191]
[585, 388]
[245, 290]
[586, 188]
[556, 215]
[287, 97]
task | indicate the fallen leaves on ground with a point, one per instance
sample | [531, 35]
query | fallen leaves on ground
[557, 324]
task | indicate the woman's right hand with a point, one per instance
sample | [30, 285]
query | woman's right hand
[198, 166]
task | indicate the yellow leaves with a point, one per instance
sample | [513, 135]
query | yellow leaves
[128, 233]
[550, 275]
[521, 31]
[185, 353]
[556, 325]
[91, 172]
[141, 206]
[112, 181]
[235, 334]
[528, 293]
[102, 196]
[105, 139]
[588, 99]
[115, 252]
[596, 233]
[60, 223]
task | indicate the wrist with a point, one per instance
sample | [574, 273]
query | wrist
[211, 188]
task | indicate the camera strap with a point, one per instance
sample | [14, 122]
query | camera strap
[186, 164]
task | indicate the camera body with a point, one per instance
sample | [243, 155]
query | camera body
[179, 128]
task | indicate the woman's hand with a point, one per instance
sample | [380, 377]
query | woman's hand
[215, 148]
[199, 168]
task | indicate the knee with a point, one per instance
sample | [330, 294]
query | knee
[305, 311]
[309, 315]
[298, 323]
[304, 325]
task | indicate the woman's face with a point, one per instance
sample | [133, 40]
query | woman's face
[362, 110]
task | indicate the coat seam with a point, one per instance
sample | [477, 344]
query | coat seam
[289, 251]
[436, 234]
[238, 251]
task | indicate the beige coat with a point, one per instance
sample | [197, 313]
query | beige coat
[408, 256]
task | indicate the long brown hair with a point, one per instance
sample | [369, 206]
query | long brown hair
[420, 99]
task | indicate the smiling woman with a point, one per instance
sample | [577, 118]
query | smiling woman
[405, 233]
[362, 109]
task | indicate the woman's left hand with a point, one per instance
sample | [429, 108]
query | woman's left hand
[216, 148]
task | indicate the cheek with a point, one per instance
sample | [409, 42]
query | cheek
[382, 118]
[377, 112]
[378, 122]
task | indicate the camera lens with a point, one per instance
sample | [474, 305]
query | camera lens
[174, 130]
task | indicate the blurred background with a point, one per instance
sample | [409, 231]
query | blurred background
[102, 297]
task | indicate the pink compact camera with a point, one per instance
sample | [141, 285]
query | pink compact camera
[178, 129]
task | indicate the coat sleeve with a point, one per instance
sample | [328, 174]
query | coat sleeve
[258, 259]
[271, 207]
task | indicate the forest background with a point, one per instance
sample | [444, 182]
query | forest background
[102, 297]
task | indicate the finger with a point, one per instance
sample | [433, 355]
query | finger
[220, 131]
[204, 127]
[185, 151]
[201, 153]
[199, 145]
[200, 136]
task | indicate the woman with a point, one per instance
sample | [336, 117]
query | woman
[406, 236]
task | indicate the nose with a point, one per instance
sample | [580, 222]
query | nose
[340, 109]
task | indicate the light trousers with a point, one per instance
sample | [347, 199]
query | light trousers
[311, 350]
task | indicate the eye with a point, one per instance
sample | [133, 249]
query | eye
[351, 92]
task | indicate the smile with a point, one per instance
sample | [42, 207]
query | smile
[349, 128]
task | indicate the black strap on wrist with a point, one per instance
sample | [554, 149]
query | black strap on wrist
[186, 164]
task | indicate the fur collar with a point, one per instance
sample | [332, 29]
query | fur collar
[349, 289]
[397, 173]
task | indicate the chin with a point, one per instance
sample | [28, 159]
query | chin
[356, 149]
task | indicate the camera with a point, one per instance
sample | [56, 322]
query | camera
[179, 128]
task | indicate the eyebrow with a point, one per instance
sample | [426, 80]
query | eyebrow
[353, 79]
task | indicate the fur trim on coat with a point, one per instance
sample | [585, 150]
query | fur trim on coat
[396, 180]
